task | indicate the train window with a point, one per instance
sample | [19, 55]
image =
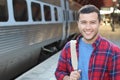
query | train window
[47, 13]
[56, 14]
[20, 10]
[3, 11]
[36, 12]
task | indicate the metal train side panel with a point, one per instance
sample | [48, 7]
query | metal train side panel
[20, 46]
[73, 28]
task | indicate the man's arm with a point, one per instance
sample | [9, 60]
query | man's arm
[115, 75]
[64, 67]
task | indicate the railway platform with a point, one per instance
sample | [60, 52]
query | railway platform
[43, 71]
[113, 36]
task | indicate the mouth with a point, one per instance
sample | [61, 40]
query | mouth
[88, 32]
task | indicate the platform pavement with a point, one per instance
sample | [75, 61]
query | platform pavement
[106, 31]
[43, 71]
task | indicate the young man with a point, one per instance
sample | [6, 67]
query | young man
[98, 59]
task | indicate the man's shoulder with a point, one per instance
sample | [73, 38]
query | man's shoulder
[67, 45]
[111, 46]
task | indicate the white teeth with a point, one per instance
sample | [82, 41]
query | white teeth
[87, 32]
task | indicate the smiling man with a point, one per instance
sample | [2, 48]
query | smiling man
[98, 58]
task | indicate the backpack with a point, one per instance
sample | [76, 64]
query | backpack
[74, 60]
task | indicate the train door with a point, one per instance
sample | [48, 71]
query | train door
[67, 27]
[65, 6]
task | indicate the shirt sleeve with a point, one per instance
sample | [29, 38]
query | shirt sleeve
[63, 67]
[115, 72]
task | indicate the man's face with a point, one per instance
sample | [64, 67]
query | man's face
[88, 25]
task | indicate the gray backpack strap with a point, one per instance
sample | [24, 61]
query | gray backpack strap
[73, 54]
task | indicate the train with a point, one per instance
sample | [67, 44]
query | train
[27, 27]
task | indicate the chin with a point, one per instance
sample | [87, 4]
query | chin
[88, 38]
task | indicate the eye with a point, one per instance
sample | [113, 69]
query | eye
[83, 22]
[93, 22]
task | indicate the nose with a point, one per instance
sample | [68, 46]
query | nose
[88, 26]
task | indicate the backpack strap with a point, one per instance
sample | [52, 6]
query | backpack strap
[73, 54]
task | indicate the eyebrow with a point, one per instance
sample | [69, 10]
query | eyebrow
[85, 20]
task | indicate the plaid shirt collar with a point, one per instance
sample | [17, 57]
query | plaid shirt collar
[95, 44]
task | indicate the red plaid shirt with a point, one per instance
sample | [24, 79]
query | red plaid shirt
[104, 62]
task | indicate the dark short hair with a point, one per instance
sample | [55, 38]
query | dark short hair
[89, 9]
